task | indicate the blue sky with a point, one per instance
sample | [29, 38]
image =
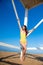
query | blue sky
[9, 30]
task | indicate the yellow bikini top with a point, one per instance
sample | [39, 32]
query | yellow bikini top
[22, 35]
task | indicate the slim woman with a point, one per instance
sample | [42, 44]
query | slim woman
[23, 41]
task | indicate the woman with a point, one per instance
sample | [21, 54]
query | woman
[23, 41]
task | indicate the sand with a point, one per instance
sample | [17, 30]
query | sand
[13, 58]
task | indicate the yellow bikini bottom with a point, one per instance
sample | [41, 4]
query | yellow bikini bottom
[23, 41]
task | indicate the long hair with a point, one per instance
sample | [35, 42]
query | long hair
[26, 30]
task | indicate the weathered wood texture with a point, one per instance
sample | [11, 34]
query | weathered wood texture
[31, 3]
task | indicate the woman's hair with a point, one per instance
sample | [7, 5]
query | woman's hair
[26, 30]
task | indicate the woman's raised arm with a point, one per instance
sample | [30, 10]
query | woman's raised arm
[30, 31]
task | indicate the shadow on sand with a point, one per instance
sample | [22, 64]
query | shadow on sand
[31, 56]
[36, 57]
[8, 62]
[14, 55]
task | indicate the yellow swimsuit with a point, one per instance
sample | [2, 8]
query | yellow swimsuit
[22, 37]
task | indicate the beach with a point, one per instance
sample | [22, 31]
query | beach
[13, 58]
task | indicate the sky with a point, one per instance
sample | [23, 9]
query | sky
[9, 29]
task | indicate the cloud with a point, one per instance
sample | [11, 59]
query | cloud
[12, 46]
[8, 45]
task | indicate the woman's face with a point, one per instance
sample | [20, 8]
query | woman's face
[23, 27]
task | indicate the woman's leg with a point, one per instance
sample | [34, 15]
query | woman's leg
[23, 52]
